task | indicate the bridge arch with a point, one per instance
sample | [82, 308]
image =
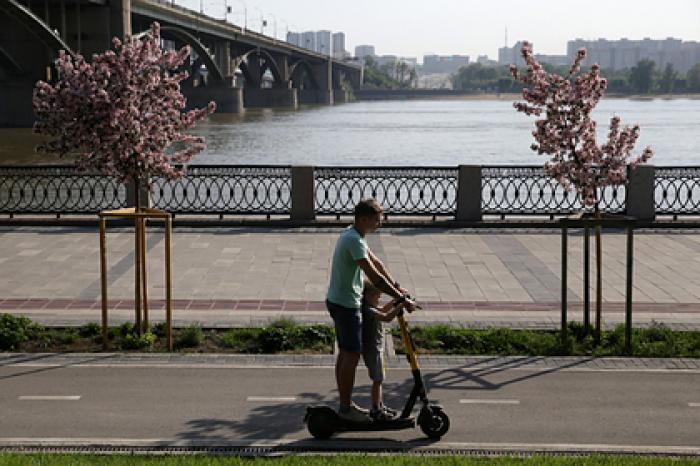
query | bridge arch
[202, 52]
[35, 26]
[270, 63]
[300, 69]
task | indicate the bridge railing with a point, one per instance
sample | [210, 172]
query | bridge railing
[465, 193]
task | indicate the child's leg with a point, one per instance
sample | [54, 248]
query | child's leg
[377, 396]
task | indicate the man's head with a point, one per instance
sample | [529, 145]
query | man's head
[368, 216]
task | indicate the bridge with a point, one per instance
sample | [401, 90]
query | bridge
[234, 66]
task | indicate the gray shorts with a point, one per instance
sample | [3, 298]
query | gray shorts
[374, 360]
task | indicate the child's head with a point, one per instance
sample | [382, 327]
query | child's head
[371, 294]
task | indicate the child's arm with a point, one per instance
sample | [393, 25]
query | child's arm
[389, 311]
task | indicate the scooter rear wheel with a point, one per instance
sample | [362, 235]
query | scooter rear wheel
[435, 424]
[320, 425]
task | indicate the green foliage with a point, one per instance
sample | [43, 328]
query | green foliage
[134, 342]
[642, 77]
[190, 337]
[60, 337]
[91, 329]
[127, 328]
[655, 341]
[388, 76]
[281, 335]
[159, 329]
[16, 330]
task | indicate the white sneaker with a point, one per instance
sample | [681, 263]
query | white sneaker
[355, 414]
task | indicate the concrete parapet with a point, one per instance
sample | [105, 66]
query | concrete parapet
[270, 98]
[469, 193]
[303, 205]
[640, 193]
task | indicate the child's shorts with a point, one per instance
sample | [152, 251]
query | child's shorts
[374, 360]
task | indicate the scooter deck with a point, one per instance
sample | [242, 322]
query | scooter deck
[393, 424]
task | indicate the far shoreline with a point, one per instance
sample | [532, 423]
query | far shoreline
[405, 94]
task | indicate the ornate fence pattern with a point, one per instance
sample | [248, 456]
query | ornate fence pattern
[524, 190]
[267, 190]
[226, 190]
[57, 189]
[403, 191]
[677, 190]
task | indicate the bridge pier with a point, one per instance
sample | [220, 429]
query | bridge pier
[270, 98]
[228, 99]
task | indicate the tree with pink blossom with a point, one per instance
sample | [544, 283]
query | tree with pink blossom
[567, 133]
[121, 113]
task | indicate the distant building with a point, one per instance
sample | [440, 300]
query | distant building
[323, 42]
[362, 51]
[486, 61]
[441, 64]
[308, 40]
[294, 38]
[554, 60]
[338, 39]
[386, 60]
[512, 55]
[625, 53]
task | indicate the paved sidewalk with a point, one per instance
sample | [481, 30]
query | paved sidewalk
[234, 276]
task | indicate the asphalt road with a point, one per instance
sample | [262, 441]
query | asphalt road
[492, 406]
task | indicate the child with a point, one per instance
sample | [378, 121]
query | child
[373, 345]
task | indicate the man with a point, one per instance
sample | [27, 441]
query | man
[352, 260]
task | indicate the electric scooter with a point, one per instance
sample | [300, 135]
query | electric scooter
[323, 421]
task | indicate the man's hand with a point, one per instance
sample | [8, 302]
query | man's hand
[409, 305]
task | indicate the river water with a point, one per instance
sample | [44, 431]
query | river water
[408, 133]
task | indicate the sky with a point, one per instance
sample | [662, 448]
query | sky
[412, 28]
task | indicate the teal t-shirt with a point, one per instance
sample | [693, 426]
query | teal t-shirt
[345, 288]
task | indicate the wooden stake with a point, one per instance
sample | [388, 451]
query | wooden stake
[103, 280]
[168, 283]
[137, 277]
[144, 275]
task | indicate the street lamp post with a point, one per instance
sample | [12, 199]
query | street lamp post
[245, 14]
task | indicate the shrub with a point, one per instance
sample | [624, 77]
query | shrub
[133, 342]
[242, 339]
[274, 340]
[16, 330]
[127, 328]
[159, 329]
[190, 337]
[91, 329]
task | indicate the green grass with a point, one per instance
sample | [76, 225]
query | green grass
[657, 341]
[340, 460]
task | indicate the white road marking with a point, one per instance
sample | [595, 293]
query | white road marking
[694, 405]
[271, 398]
[477, 401]
[49, 398]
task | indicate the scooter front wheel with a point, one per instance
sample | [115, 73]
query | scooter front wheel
[321, 424]
[434, 422]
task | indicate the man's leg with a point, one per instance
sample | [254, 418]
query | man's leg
[345, 368]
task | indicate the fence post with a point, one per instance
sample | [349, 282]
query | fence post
[640, 193]
[469, 193]
[303, 206]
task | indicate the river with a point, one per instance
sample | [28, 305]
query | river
[421, 133]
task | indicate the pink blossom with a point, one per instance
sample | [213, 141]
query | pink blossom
[121, 112]
[567, 133]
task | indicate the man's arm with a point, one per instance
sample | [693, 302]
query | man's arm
[379, 265]
[378, 279]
